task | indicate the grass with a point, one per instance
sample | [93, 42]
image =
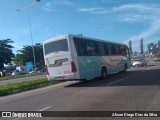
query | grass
[20, 76]
[22, 86]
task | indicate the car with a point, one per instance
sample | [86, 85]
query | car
[7, 72]
[42, 70]
[156, 59]
[16, 72]
[33, 71]
[139, 62]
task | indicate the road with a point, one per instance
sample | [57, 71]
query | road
[136, 90]
[2, 82]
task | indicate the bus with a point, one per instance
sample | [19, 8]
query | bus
[74, 57]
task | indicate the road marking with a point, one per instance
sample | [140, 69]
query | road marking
[38, 110]
[155, 66]
[45, 108]
[117, 81]
[34, 90]
[17, 119]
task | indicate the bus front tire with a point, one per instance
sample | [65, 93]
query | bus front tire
[103, 73]
[125, 68]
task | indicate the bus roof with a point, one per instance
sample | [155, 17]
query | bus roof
[79, 36]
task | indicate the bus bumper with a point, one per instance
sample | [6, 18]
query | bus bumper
[64, 77]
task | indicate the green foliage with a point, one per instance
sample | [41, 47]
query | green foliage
[26, 55]
[157, 54]
[21, 86]
[18, 60]
[6, 54]
[20, 76]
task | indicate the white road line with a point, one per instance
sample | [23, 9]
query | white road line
[17, 119]
[34, 90]
[117, 81]
[155, 66]
[45, 108]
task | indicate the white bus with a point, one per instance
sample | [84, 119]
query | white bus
[74, 57]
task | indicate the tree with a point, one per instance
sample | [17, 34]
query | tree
[26, 55]
[18, 60]
[6, 54]
[157, 54]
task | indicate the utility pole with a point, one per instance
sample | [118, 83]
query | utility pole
[30, 28]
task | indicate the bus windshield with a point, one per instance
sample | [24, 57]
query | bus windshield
[56, 46]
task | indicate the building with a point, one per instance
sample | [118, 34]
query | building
[130, 46]
[141, 46]
[154, 47]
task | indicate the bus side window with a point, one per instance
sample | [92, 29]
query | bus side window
[80, 47]
[127, 52]
[106, 49]
[116, 50]
[110, 49]
[76, 45]
[92, 48]
[101, 49]
[87, 47]
[122, 50]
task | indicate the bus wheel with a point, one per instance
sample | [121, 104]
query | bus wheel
[103, 73]
[125, 68]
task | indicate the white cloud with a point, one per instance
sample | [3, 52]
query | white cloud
[137, 12]
[48, 7]
[93, 10]
[141, 13]
[131, 13]
[130, 6]
[153, 29]
[110, 1]
[63, 2]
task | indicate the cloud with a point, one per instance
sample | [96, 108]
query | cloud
[137, 12]
[109, 1]
[132, 13]
[63, 2]
[93, 10]
[141, 13]
[153, 29]
[127, 12]
[48, 7]
[129, 6]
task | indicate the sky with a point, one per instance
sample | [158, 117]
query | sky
[114, 20]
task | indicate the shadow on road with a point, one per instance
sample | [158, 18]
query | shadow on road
[151, 65]
[130, 78]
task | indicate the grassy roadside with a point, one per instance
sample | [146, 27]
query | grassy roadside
[23, 86]
[20, 76]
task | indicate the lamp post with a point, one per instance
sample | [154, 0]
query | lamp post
[30, 28]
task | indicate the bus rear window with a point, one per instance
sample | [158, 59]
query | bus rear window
[56, 46]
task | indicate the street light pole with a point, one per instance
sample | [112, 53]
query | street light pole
[30, 28]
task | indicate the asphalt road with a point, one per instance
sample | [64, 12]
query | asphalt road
[136, 90]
